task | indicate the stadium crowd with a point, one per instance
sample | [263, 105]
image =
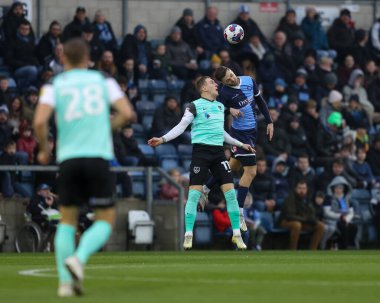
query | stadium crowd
[322, 88]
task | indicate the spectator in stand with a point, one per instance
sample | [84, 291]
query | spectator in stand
[341, 35]
[16, 117]
[319, 204]
[12, 21]
[283, 55]
[161, 68]
[280, 145]
[315, 35]
[279, 98]
[373, 89]
[298, 214]
[337, 168]
[344, 71]
[355, 87]
[75, 28]
[373, 157]
[363, 170]
[255, 45]
[340, 213]
[130, 153]
[107, 64]
[9, 184]
[189, 32]
[329, 84]
[360, 50]
[252, 218]
[309, 64]
[6, 93]
[280, 173]
[180, 56]
[229, 63]
[138, 48]
[299, 49]
[40, 208]
[5, 128]
[21, 57]
[30, 103]
[130, 72]
[333, 103]
[354, 115]
[55, 62]
[328, 138]
[103, 32]
[96, 47]
[298, 140]
[166, 117]
[249, 26]
[189, 93]
[169, 191]
[210, 32]
[49, 41]
[263, 188]
[310, 121]
[371, 73]
[26, 143]
[303, 171]
[374, 41]
[300, 88]
[268, 72]
[289, 26]
[288, 112]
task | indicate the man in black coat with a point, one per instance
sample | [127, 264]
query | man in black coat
[75, 28]
[49, 41]
[373, 157]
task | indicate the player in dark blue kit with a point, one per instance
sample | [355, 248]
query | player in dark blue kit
[241, 95]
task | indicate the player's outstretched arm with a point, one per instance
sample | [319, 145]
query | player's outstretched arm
[229, 140]
[176, 131]
[125, 113]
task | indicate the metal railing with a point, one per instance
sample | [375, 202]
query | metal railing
[148, 172]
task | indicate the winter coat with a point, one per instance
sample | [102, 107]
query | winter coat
[179, 53]
[27, 144]
[169, 192]
[250, 27]
[340, 36]
[22, 53]
[211, 35]
[221, 219]
[314, 33]
[328, 143]
[291, 30]
[103, 32]
[364, 171]
[373, 158]
[189, 34]
[299, 142]
[374, 93]
[74, 29]
[279, 144]
[296, 174]
[130, 49]
[11, 23]
[332, 213]
[282, 185]
[297, 209]
[311, 126]
[263, 187]
[165, 119]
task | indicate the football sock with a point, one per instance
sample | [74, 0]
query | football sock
[191, 209]
[64, 243]
[93, 240]
[241, 195]
[233, 209]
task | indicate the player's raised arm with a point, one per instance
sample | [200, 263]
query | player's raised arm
[177, 130]
[232, 141]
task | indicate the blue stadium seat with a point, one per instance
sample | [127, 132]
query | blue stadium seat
[361, 195]
[147, 151]
[157, 86]
[140, 139]
[159, 99]
[202, 230]
[185, 149]
[138, 183]
[145, 107]
[169, 162]
[166, 150]
[204, 65]
[143, 86]
[138, 129]
[147, 121]
[176, 85]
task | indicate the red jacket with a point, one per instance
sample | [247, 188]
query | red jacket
[27, 144]
[221, 219]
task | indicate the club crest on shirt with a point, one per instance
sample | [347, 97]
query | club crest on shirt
[196, 169]
[207, 115]
[220, 108]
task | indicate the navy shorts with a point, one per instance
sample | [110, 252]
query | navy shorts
[246, 136]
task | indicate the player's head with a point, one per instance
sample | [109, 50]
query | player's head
[206, 87]
[226, 76]
[76, 53]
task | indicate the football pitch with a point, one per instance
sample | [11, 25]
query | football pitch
[201, 276]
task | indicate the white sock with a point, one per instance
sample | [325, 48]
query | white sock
[188, 233]
[241, 211]
[236, 232]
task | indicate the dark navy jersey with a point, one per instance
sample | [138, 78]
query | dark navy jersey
[241, 97]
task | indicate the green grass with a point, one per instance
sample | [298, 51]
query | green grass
[203, 276]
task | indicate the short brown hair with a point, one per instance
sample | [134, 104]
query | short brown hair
[220, 72]
[76, 50]
[200, 82]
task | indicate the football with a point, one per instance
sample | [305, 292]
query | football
[234, 33]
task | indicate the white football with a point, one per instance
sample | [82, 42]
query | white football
[234, 33]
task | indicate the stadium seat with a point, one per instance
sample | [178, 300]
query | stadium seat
[185, 149]
[361, 195]
[176, 85]
[147, 121]
[147, 151]
[169, 162]
[145, 107]
[159, 99]
[138, 183]
[155, 42]
[143, 86]
[157, 86]
[202, 230]
[166, 150]
[140, 227]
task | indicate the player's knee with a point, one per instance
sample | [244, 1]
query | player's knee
[250, 172]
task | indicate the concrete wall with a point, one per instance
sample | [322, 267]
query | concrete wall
[159, 16]
[164, 216]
